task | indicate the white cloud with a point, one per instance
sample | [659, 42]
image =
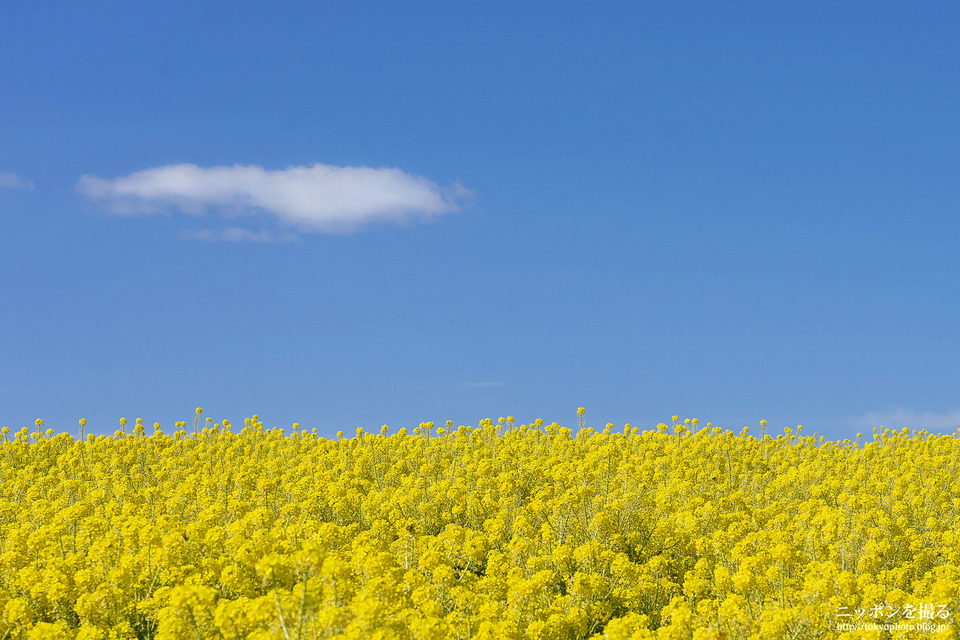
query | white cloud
[897, 418]
[13, 181]
[319, 197]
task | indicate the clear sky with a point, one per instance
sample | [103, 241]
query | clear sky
[351, 214]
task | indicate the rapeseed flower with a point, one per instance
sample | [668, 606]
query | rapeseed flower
[483, 532]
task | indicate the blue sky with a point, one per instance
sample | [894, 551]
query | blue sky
[390, 213]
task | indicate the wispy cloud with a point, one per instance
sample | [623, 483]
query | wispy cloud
[318, 197]
[13, 181]
[235, 234]
[897, 418]
[481, 385]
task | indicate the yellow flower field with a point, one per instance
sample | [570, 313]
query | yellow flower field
[494, 531]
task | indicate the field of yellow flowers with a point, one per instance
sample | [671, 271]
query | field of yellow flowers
[494, 531]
